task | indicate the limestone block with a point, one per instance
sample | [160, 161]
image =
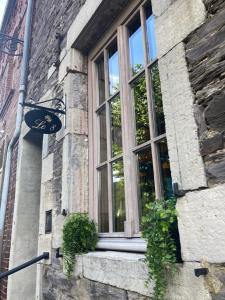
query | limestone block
[51, 71]
[76, 121]
[57, 226]
[201, 217]
[45, 245]
[75, 88]
[73, 60]
[47, 168]
[123, 270]
[45, 146]
[184, 285]
[179, 20]
[160, 6]
[184, 151]
[47, 196]
[85, 14]
[75, 173]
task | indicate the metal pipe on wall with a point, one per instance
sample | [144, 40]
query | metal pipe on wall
[19, 117]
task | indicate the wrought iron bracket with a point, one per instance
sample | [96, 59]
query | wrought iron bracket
[11, 45]
[60, 106]
[58, 254]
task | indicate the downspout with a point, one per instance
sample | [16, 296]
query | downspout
[19, 118]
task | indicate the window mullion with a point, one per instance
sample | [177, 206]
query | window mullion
[108, 142]
[131, 224]
[152, 119]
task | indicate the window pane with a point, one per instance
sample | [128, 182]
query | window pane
[101, 80]
[113, 70]
[150, 23]
[103, 200]
[119, 214]
[165, 170]
[103, 135]
[157, 94]
[116, 131]
[136, 46]
[141, 111]
[146, 189]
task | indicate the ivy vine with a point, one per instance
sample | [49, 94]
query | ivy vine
[158, 226]
[79, 236]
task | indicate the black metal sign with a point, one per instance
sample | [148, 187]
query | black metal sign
[43, 121]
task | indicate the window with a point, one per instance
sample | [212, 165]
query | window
[130, 156]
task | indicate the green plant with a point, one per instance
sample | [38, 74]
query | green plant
[158, 223]
[79, 236]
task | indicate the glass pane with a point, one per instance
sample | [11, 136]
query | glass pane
[141, 111]
[101, 80]
[116, 130]
[113, 70]
[150, 23]
[136, 46]
[103, 200]
[146, 188]
[165, 170]
[119, 214]
[157, 94]
[103, 135]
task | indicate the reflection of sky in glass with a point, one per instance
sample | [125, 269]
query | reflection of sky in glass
[151, 37]
[136, 51]
[113, 73]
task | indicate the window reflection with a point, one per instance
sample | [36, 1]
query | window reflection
[157, 94]
[116, 130]
[146, 189]
[136, 46]
[103, 135]
[141, 111]
[150, 24]
[165, 170]
[113, 70]
[101, 80]
[103, 200]
[119, 214]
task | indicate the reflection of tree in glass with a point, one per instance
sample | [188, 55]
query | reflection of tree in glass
[119, 214]
[116, 132]
[157, 94]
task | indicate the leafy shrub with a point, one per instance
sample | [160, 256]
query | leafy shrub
[159, 222]
[79, 236]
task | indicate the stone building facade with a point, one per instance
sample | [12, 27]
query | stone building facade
[74, 170]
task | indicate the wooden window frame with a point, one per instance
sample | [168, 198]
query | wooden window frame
[119, 31]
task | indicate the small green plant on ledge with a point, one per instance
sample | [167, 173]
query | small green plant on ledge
[79, 236]
[158, 226]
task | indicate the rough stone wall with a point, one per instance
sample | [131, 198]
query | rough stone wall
[205, 53]
[50, 17]
[8, 226]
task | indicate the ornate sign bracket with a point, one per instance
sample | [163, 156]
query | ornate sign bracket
[11, 45]
[44, 119]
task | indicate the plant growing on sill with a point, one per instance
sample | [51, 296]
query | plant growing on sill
[79, 236]
[158, 226]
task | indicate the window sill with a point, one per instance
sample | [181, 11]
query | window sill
[122, 244]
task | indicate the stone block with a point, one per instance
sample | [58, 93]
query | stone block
[45, 245]
[85, 14]
[201, 217]
[75, 173]
[51, 71]
[47, 168]
[77, 121]
[160, 6]
[188, 14]
[184, 285]
[57, 227]
[182, 134]
[123, 270]
[73, 60]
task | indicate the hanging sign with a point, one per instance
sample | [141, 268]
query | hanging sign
[43, 121]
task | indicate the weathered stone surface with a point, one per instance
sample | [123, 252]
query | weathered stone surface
[47, 168]
[215, 166]
[188, 14]
[186, 163]
[205, 56]
[211, 142]
[160, 6]
[201, 218]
